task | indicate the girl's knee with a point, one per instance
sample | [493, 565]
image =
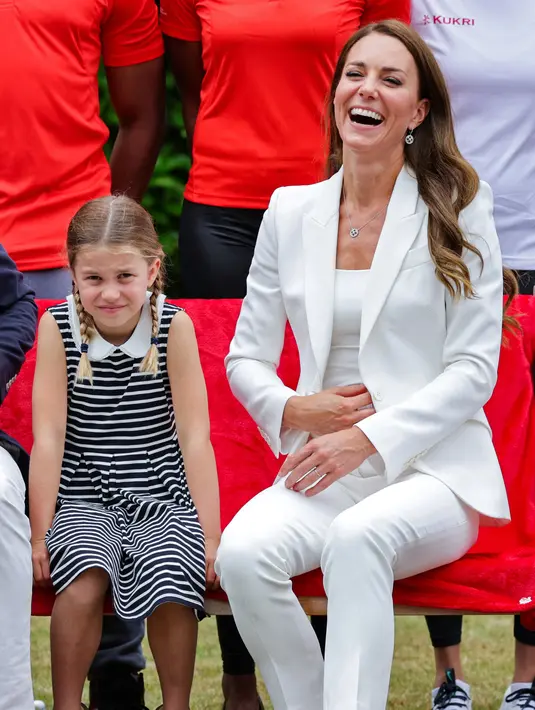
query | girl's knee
[88, 589]
[172, 611]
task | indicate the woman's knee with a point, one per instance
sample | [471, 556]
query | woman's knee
[236, 555]
[352, 538]
[243, 558]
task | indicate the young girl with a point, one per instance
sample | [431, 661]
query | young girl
[123, 483]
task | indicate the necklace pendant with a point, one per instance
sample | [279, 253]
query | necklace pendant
[353, 233]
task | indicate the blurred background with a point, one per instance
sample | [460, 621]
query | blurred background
[164, 196]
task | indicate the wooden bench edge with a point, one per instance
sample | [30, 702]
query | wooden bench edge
[317, 606]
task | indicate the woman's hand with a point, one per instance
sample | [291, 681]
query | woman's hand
[212, 580]
[326, 459]
[41, 563]
[328, 411]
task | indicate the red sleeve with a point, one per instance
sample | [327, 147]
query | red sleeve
[179, 19]
[130, 34]
[377, 10]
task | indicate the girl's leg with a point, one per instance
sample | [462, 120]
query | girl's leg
[75, 632]
[172, 631]
[409, 527]
[277, 535]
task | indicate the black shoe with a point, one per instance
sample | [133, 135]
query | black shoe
[117, 690]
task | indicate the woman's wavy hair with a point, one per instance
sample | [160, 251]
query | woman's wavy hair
[121, 224]
[446, 181]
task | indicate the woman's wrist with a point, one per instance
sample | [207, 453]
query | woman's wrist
[290, 415]
[364, 444]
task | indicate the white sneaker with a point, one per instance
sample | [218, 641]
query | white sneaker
[519, 696]
[452, 695]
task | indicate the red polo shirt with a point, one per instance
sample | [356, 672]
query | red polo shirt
[51, 135]
[268, 70]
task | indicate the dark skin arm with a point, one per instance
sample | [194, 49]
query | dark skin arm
[185, 60]
[138, 96]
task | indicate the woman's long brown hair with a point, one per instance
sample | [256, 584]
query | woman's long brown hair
[446, 181]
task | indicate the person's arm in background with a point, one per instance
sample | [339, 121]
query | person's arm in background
[182, 34]
[377, 10]
[18, 319]
[133, 56]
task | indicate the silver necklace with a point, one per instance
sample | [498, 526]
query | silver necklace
[355, 231]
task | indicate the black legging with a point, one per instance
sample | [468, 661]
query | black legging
[447, 630]
[216, 246]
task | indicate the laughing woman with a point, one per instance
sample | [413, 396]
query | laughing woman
[253, 76]
[390, 275]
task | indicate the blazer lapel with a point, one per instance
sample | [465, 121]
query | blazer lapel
[320, 236]
[401, 227]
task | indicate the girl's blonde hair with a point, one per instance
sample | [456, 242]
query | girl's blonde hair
[120, 223]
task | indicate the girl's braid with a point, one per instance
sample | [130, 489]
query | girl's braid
[150, 363]
[87, 330]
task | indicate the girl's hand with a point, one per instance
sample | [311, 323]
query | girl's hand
[41, 563]
[326, 459]
[212, 580]
[328, 411]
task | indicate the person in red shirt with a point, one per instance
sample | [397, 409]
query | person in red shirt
[253, 78]
[51, 133]
[53, 161]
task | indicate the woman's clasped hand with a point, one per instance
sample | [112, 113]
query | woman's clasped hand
[328, 411]
[337, 447]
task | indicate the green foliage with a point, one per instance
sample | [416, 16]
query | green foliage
[165, 194]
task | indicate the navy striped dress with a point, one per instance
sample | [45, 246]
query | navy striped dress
[124, 503]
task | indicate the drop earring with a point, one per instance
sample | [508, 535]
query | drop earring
[409, 138]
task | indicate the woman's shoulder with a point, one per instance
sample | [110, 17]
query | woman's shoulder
[290, 195]
[289, 204]
[483, 199]
[477, 219]
[481, 208]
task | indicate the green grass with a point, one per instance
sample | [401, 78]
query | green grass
[488, 658]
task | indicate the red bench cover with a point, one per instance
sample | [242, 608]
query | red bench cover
[497, 575]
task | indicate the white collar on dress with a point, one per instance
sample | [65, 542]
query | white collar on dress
[137, 344]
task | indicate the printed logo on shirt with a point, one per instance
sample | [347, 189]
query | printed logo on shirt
[443, 20]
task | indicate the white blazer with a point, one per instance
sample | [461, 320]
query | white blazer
[429, 362]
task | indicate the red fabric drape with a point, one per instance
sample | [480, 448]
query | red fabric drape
[497, 575]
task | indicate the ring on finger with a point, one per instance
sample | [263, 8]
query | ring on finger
[311, 470]
[320, 478]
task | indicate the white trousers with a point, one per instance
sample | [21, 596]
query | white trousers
[364, 536]
[15, 590]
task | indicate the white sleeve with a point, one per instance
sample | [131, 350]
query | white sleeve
[403, 432]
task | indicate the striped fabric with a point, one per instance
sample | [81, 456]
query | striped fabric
[124, 503]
